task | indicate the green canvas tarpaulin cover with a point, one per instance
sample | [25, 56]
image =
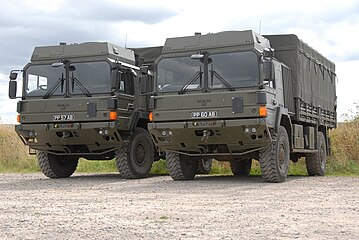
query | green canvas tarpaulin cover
[313, 75]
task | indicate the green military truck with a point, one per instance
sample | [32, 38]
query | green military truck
[237, 96]
[84, 100]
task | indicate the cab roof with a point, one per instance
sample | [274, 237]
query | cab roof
[246, 38]
[83, 50]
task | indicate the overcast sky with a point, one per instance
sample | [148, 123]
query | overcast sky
[330, 26]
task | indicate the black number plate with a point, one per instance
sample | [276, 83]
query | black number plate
[63, 117]
[207, 114]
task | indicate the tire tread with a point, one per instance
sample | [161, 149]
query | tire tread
[122, 156]
[268, 160]
[312, 160]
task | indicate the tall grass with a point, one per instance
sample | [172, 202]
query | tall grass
[14, 156]
[345, 141]
[96, 166]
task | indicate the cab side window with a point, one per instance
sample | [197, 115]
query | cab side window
[127, 83]
[269, 74]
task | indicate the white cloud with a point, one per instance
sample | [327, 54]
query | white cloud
[8, 107]
[347, 87]
[329, 26]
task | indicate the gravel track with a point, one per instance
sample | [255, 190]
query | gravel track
[104, 206]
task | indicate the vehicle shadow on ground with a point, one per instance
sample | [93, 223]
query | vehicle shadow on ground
[231, 178]
[40, 182]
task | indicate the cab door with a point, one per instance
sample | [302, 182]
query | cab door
[274, 89]
[279, 98]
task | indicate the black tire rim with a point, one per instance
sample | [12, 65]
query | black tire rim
[206, 163]
[281, 156]
[140, 154]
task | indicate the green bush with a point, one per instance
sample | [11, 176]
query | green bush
[96, 166]
[159, 167]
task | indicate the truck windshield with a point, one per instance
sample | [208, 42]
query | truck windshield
[225, 71]
[93, 76]
[179, 74]
[239, 69]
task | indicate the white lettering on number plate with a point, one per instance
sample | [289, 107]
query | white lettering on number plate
[63, 117]
[208, 114]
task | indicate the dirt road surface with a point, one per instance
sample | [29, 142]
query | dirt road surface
[104, 206]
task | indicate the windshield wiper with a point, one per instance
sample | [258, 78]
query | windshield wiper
[192, 80]
[220, 78]
[80, 85]
[54, 87]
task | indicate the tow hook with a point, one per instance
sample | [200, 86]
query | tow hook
[205, 135]
[65, 135]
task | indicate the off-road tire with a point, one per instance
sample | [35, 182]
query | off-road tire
[316, 162]
[274, 160]
[241, 168]
[56, 166]
[134, 159]
[204, 165]
[181, 167]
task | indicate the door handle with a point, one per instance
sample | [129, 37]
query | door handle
[274, 101]
[130, 106]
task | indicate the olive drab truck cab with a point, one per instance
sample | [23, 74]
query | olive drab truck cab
[84, 100]
[237, 96]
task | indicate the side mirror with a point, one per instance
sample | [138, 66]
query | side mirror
[13, 75]
[143, 84]
[12, 89]
[268, 52]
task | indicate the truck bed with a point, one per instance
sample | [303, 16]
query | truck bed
[310, 91]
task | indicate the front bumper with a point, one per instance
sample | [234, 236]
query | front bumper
[211, 137]
[93, 138]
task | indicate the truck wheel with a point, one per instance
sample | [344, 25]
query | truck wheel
[181, 167]
[134, 160]
[316, 161]
[241, 168]
[274, 160]
[204, 166]
[56, 166]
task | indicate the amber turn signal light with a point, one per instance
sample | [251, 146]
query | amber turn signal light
[113, 116]
[18, 118]
[150, 116]
[263, 111]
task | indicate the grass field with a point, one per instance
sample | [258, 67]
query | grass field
[14, 156]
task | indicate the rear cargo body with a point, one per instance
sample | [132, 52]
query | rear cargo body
[310, 94]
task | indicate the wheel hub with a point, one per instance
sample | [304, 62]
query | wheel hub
[140, 154]
[281, 156]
